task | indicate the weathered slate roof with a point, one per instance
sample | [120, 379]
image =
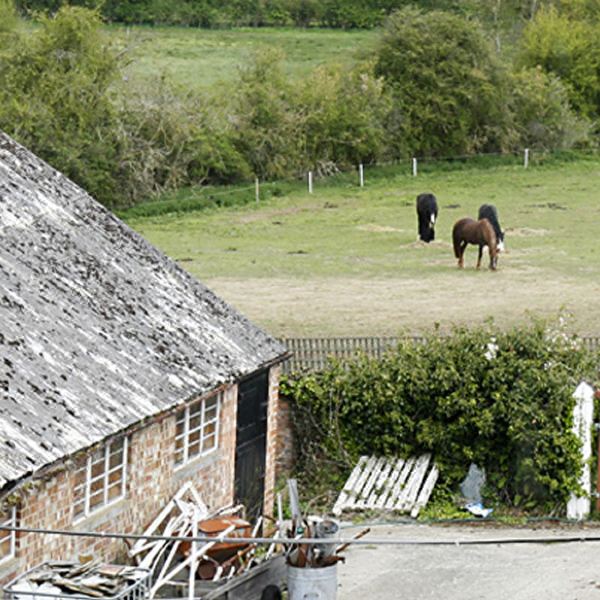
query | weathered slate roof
[98, 329]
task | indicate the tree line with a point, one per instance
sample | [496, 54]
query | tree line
[434, 85]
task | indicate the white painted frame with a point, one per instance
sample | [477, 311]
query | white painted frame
[184, 416]
[9, 535]
[86, 487]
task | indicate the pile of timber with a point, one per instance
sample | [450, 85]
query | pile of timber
[91, 579]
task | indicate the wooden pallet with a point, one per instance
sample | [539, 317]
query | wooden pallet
[388, 484]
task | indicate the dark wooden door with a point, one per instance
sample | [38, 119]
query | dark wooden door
[251, 443]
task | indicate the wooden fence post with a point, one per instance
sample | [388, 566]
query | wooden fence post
[361, 175]
[414, 167]
[310, 182]
[257, 190]
[526, 158]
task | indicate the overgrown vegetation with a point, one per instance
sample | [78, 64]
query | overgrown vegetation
[500, 399]
[434, 86]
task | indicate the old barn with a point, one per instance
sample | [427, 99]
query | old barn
[121, 376]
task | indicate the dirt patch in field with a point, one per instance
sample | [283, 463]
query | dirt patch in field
[380, 229]
[527, 232]
[351, 306]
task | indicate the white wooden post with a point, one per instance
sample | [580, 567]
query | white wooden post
[361, 175]
[414, 167]
[310, 182]
[583, 417]
[257, 190]
[526, 158]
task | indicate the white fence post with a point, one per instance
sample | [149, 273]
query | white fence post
[310, 182]
[414, 166]
[257, 190]
[361, 175]
[526, 158]
[578, 507]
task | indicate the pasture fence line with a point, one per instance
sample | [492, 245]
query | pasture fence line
[312, 177]
[313, 354]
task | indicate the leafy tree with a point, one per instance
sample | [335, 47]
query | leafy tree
[569, 49]
[447, 85]
[265, 130]
[343, 116]
[541, 113]
[55, 95]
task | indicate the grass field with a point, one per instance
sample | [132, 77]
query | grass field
[344, 261]
[201, 59]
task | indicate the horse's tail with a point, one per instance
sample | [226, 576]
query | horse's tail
[456, 238]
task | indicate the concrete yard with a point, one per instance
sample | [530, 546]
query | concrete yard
[544, 571]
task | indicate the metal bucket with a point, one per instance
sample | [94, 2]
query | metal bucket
[312, 584]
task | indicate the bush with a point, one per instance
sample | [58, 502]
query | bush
[569, 49]
[542, 116]
[511, 413]
[343, 116]
[55, 96]
[448, 87]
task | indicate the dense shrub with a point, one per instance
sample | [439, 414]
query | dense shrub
[342, 116]
[55, 96]
[448, 87]
[569, 49]
[541, 113]
[510, 412]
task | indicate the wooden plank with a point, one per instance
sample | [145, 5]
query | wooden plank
[399, 486]
[425, 492]
[409, 496]
[389, 484]
[378, 490]
[349, 485]
[370, 483]
[355, 493]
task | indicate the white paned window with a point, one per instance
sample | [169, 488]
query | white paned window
[8, 539]
[197, 429]
[101, 478]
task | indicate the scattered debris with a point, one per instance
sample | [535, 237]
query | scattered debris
[477, 509]
[91, 579]
[388, 484]
[472, 484]
[311, 555]
[180, 563]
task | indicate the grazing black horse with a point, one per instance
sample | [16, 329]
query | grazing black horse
[427, 211]
[481, 233]
[489, 212]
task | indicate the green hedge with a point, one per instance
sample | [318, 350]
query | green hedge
[511, 414]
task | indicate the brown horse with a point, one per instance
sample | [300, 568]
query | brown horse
[481, 233]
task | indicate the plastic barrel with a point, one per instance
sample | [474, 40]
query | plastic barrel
[312, 584]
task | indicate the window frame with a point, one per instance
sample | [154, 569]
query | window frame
[9, 535]
[184, 415]
[91, 460]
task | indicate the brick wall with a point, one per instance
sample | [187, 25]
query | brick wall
[152, 480]
[279, 440]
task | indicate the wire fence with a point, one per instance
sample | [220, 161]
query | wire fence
[313, 354]
[312, 178]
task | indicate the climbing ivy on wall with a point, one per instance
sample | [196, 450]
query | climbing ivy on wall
[501, 399]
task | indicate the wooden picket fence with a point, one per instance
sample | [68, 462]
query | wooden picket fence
[312, 354]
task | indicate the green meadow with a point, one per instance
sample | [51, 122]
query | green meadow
[203, 59]
[345, 260]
